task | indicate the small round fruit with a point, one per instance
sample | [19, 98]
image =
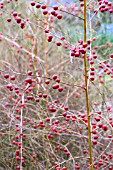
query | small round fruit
[32, 3]
[59, 16]
[6, 76]
[55, 86]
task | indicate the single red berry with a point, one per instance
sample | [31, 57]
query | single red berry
[59, 43]
[43, 7]
[47, 119]
[15, 14]
[97, 119]
[32, 3]
[92, 73]
[18, 167]
[95, 137]
[8, 19]
[6, 76]
[37, 99]
[54, 77]
[68, 153]
[12, 78]
[77, 54]
[82, 4]
[100, 125]
[94, 142]
[29, 73]
[17, 152]
[111, 55]
[38, 5]
[44, 95]
[55, 7]
[46, 30]
[64, 114]
[22, 24]
[45, 12]
[55, 86]
[105, 127]
[92, 78]
[47, 81]
[64, 168]
[62, 38]
[28, 80]
[84, 151]
[66, 108]
[40, 94]
[60, 89]
[59, 16]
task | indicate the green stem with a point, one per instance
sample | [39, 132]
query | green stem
[86, 91]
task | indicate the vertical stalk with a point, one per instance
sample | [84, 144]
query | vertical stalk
[86, 91]
[21, 129]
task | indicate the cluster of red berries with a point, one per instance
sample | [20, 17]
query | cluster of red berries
[104, 6]
[45, 11]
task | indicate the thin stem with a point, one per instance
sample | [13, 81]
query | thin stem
[86, 91]
[21, 129]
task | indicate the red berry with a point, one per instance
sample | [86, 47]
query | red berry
[55, 86]
[84, 151]
[40, 95]
[100, 125]
[6, 76]
[37, 99]
[62, 38]
[95, 137]
[46, 30]
[15, 14]
[47, 81]
[17, 152]
[55, 7]
[105, 127]
[60, 89]
[29, 97]
[77, 54]
[111, 55]
[64, 168]
[12, 78]
[43, 6]
[8, 19]
[59, 43]
[82, 4]
[18, 20]
[44, 95]
[97, 119]
[66, 108]
[92, 78]
[45, 12]
[22, 24]
[28, 80]
[54, 77]
[29, 73]
[38, 5]
[64, 114]
[50, 37]
[47, 119]
[94, 142]
[59, 16]
[58, 80]
[18, 167]
[32, 3]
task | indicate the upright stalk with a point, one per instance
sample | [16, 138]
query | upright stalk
[86, 91]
